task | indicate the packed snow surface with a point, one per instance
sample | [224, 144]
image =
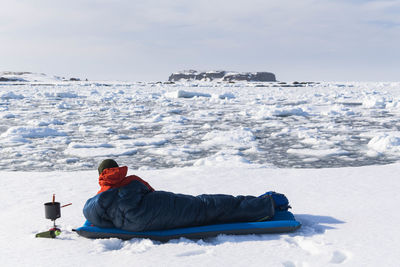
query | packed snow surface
[71, 126]
[349, 218]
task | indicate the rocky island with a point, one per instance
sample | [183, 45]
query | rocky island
[226, 76]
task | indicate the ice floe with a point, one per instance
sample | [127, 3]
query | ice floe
[31, 132]
[385, 143]
[186, 94]
[156, 125]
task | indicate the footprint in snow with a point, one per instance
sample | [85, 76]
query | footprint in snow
[338, 257]
[316, 248]
[191, 253]
[288, 264]
[308, 245]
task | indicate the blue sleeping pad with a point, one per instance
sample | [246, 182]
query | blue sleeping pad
[282, 222]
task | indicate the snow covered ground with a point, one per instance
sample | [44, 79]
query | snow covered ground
[199, 138]
[349, 218]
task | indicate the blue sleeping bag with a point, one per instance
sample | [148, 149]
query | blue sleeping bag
[136, 208]
[134, 211]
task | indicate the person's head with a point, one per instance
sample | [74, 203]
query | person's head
[107, 163]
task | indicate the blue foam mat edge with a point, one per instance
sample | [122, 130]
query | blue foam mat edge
[282, 220]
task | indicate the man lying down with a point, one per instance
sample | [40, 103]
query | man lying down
[130, 203]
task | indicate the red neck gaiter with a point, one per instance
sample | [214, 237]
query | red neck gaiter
[116, 177]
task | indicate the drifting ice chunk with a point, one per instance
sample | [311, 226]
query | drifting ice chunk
[32, 132]
[186, 94]
[11, 95]
[385, 143]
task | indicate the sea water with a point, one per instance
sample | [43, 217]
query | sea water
[73, 126]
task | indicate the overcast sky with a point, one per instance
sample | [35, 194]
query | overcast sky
[147, 40]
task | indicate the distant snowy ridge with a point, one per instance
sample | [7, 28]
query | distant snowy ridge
[23, 76]
[222, 76]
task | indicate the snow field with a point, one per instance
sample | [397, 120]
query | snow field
[348, 217]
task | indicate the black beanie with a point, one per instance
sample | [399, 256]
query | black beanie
[107, 163]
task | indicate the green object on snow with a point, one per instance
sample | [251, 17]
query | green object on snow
[49, 234]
